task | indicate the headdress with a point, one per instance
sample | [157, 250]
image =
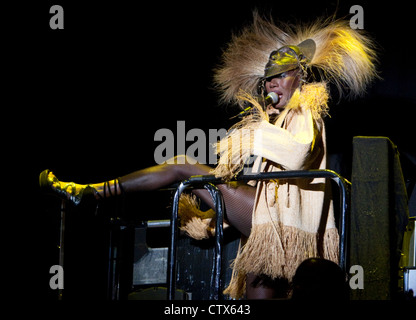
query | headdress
[290, 57]
[328, 47]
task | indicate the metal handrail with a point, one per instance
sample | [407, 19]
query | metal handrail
[209, 182]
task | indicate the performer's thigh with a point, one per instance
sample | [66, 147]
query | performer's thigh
[239, 202]
[238, 196]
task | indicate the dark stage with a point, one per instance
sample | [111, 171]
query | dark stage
[87, 101]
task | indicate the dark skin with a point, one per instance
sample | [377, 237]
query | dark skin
[238, 197]
[284, 84]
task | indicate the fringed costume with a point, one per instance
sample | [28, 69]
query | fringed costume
[292, 219]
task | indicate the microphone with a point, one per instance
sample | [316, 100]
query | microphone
[271, 98]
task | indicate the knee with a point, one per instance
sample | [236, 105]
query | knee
[180, 166]
[182, 159]
[185, 167]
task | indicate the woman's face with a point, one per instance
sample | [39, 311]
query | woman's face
[283, 84]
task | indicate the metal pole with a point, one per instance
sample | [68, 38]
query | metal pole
[211, 180]
[62, 242]
[219, 210]
[174, 236]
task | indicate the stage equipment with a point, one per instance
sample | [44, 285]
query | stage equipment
[379, 216]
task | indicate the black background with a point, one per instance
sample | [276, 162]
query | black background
[85, 101]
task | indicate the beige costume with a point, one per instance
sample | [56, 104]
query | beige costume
[292, 219]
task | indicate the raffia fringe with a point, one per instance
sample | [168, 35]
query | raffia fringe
[261, 254]
[236, 148]
[194, 222]
[313, 96]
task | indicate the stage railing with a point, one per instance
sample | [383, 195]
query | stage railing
[209, 183]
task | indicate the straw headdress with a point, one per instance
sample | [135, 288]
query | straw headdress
[343, 56]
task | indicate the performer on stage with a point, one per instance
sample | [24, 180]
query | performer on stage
[282, 222]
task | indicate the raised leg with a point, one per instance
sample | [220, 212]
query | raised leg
[238, 198]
